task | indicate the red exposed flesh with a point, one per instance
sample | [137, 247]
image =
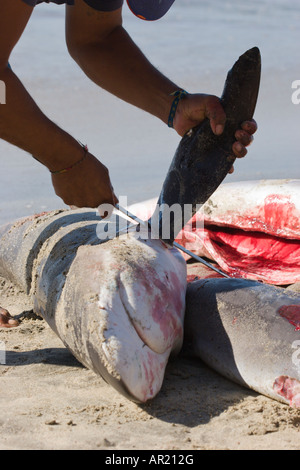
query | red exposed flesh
[292, 314]
[288, 388]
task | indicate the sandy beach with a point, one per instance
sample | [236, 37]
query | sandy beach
[49, 401]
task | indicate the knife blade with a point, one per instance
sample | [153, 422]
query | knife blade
[177, 245]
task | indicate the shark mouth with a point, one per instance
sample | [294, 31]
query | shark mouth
[127, 312]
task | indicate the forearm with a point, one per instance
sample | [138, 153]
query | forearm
[116, 64]
[23, 124]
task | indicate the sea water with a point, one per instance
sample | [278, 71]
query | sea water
[195, 45]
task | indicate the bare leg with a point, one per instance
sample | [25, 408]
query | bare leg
[6, 320]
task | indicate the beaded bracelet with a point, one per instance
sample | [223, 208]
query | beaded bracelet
[58, 172]
[178, 95]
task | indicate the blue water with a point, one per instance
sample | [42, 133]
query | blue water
[195, 45]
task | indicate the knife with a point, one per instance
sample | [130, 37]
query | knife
[177, 245]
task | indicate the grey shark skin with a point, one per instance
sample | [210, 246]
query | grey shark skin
[117, 305]
[202, 159]
[248, 332]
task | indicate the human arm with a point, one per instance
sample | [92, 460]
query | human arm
[23, 124]
[107, 54]
[194, 108]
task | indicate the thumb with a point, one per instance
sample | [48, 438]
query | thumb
[215, 114]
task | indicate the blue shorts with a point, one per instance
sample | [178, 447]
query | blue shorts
[101, 5]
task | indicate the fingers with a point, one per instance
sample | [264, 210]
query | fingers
[115, 199]
[215, 114]
[86, 185]
[195, 108]
[105, 210]
[244, 138]
[239, 150]
[249, 126]
[6, 320]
